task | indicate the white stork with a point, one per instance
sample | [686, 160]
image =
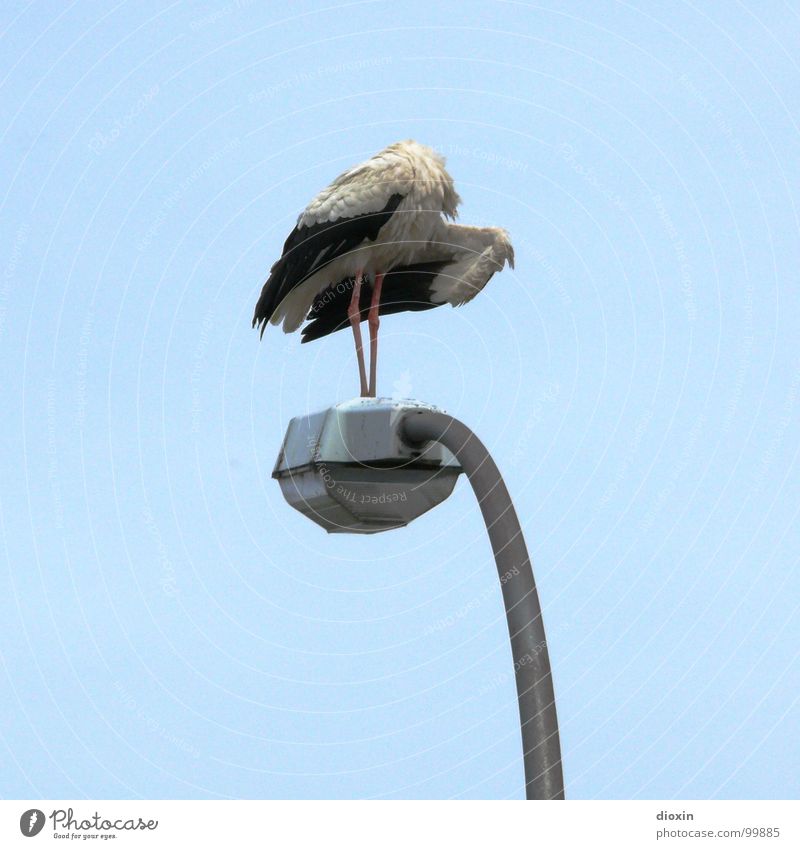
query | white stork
[375, 242]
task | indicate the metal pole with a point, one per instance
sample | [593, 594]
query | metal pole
[541, 751]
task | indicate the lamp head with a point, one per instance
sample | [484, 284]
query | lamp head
[349, 469]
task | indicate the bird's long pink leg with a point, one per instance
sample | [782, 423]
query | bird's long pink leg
[354, 314]
[374, 324]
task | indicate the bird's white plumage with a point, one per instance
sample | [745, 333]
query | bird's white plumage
[472, 254]
[406, 168]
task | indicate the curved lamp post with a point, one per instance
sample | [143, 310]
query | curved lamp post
[370, 465]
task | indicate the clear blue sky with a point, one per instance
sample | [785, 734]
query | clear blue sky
[169, 627]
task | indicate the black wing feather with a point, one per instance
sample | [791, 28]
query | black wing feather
[308, 249]
[405, 288]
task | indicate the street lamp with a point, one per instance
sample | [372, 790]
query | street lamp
[371, 465]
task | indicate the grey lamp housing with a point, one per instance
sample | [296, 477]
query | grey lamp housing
[349, 469]
[370, 465]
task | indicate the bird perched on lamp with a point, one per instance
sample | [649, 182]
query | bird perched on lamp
[378, 241]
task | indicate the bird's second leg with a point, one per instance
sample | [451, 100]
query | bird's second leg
[374, 324]
[354, 314]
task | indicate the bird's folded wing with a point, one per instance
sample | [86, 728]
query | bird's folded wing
[405, 288]
[453, 269]
[477, 253]
[347, 214]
